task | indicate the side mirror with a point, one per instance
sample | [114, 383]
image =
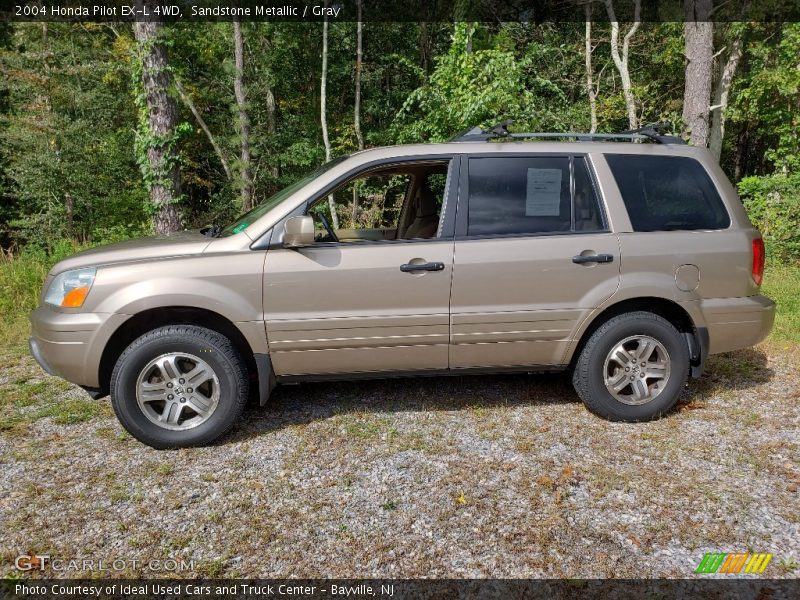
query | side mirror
[298, 232]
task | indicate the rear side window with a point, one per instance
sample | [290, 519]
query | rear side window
[531, 195]
[666, 193]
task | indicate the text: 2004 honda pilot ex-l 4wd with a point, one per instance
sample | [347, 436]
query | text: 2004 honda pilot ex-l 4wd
[627, 263]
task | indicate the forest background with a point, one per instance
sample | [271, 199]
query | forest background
[116, 130]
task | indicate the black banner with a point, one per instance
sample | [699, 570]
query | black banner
[402, 589]
[533, 11]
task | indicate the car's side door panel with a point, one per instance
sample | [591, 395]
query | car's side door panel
[348, 308]
[518, 301]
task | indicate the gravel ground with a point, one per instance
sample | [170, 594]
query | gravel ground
[501, 476]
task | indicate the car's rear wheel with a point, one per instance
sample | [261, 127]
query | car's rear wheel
[179, 386]
[633, 368]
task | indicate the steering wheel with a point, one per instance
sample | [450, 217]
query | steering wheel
[328, 227]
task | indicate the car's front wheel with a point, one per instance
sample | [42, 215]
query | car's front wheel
[179, 386]
[633, 368]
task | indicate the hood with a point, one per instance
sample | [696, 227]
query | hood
[181, 243]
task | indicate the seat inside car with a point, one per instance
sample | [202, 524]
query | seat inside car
[424, 218]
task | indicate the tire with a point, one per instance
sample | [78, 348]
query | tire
[158, 406]
[619, 388]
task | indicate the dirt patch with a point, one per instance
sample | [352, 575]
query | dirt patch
[502, 476]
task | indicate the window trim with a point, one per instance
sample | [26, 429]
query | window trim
[462, 215]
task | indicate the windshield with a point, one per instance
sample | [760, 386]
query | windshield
[252, 216]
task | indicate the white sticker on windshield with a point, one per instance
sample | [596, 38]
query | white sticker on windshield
[544, 193]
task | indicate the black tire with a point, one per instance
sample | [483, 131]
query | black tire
[588, 375]
[216, 351]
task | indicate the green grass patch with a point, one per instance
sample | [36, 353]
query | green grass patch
[782, 284]
[25, 401]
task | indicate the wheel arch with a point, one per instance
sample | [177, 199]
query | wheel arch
[696, 337]
[153, 318]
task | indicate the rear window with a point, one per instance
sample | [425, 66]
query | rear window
[667, 193]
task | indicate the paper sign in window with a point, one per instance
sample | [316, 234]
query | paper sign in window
[544, 193]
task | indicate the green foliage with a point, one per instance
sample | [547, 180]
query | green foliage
[773, 204]
[768, 96]
[66, 135]
[71, 106]
[478, 87]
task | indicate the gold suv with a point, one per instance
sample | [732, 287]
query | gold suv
[626, 263]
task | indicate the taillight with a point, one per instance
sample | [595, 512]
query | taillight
[758, 260]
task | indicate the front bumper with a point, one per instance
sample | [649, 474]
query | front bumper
[70, 344]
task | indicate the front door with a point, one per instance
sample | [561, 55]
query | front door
[372, 294]
[533, 258]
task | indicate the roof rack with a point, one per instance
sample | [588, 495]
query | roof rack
[500, 130]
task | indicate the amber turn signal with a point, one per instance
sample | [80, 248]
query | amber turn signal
[74, 298]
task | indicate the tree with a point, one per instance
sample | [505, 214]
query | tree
[621, 60]
[187, 100]
[590, 89]
[245, 169]
[357, 102]
[699, 34]
[158, 132]
[323, 111]
[510, 87]
[727, 72]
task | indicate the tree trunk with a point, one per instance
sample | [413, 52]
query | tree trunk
[246, 172]
[424, 47]
[272, 122]
[357, 108]
[621, 60]
[165, 185]
[359, 67]
[699, 33]
[740, 168]
[69, 210]
[589, 83]
[721, 95]
[187, 100]
[323, 111]
[271, 105]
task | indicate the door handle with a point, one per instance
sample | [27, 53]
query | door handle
[431, 266]
[593, 258]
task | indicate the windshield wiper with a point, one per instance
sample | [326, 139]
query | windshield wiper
[212, 231]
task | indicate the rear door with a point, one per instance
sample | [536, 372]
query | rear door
[533, 257]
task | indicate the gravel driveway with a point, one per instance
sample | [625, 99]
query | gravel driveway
[502, 476]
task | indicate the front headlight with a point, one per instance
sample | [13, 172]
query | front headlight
[70, 288]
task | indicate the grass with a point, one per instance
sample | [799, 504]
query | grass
[782, 284]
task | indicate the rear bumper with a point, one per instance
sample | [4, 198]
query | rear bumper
[70, 345]
[735, 323]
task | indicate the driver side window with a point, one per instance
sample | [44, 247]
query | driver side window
[392, 203]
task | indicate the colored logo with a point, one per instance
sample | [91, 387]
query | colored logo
[733, 562]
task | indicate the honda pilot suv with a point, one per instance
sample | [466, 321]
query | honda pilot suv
[625, 259]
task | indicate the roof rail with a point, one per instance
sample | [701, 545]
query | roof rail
[476, 134]
[500, 130]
